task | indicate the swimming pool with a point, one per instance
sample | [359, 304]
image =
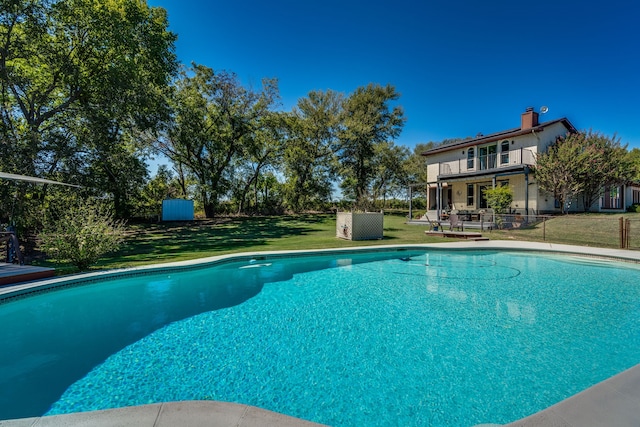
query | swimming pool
[414, 336]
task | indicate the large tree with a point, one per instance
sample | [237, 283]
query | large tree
[71, 67]
[608, 165]
[582, 165]
[416, 164]
[557, 170]
[416, 170]
[390, 176]
[368, 119]
[216, 120]
[309, 160]
[633, 157]
[261, 156]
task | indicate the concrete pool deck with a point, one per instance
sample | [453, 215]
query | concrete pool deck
[613, 402]
[194, 413]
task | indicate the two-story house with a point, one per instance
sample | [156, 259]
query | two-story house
[459, 173]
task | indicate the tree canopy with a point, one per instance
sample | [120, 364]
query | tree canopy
[582, 165]
[310, 161]
[216, 121]
[77, 77]
[368, 120]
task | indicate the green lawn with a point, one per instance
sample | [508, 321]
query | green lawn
[167, 242]
[600, 230]
[148, 244]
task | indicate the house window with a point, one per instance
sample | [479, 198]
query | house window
[482, 200]
[612, 198]
[487, 156]
[471, 154]
[470, 188]
[504, 152]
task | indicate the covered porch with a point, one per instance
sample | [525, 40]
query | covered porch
[484, 222]
[465, 195]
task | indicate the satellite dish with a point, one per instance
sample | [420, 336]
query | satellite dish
[544, 109]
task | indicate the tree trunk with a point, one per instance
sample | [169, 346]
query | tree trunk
[209, 204]
[209, 210]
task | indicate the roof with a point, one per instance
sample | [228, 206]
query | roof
[498, 136]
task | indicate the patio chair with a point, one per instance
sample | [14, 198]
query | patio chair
[432, 224]
[455, 222]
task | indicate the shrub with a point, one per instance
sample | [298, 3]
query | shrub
[81, 234]
[499, 198]
[634, 208]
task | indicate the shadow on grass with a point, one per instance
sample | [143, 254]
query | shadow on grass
[150, 242]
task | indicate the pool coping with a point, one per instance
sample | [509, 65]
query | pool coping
[25, 288]
[613, 401]
[190, 413]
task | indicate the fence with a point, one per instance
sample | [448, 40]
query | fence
[487, 162]
[612, 231]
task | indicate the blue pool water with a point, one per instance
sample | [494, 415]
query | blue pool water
[394, 338]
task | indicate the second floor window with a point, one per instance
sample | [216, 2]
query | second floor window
[487, 156]
[471, 154]
[504, 152]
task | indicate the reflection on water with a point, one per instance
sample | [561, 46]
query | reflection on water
[58, 337]
[519, 311]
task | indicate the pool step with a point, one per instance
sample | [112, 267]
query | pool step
[468, 235]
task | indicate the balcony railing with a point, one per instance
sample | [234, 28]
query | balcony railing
[488, 162]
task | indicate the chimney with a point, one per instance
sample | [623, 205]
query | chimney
[529, 119]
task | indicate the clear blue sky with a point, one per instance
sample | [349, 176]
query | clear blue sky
[461, 66]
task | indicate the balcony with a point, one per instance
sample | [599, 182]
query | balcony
[489, 162]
